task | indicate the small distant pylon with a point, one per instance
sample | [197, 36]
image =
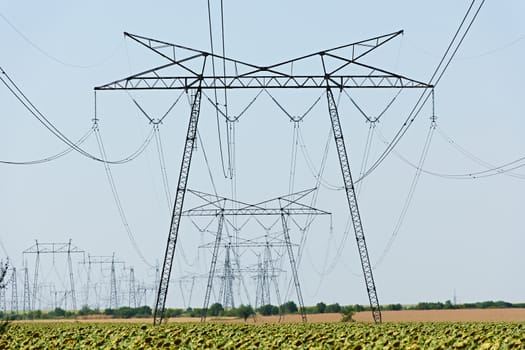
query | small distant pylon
[227, 301]
[132, 289]
[113, 296]
[14, 292]
[27, 298]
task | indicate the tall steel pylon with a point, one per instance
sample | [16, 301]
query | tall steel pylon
[337, 68]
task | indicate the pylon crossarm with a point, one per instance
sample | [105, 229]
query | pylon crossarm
[179, 73]
[263, 82]
[174, 52]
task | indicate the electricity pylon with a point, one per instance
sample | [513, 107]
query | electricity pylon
[106, 260]
[54, 248]
[14, 292]
[337, 68]
[221, 207]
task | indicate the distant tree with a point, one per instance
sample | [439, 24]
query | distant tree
[394, 307]
[245, 311]
[347, 313]
[321, 307]
[58, 312]
[173, 312]
[269, 309]
[333, 308]
[358, 308]
[289, 307]
[143, 311]
[215, 309]
[85, 310]
[109, 312]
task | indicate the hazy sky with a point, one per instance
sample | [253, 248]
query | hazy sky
[462, 236]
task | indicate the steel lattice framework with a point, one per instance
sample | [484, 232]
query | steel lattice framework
[284, 207]
[54, 248]
[337, 68]
[104, 260]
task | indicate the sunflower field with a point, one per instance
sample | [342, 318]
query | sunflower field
[353, 335]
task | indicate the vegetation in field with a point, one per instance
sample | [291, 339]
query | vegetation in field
[267, 336]
[243, 311]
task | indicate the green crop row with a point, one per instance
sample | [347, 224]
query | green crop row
[264, 336]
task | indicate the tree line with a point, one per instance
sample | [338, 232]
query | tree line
[246, 311]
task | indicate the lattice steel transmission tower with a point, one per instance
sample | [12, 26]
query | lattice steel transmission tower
[3, 300]
[226, 291]
[14, 292]
[266, 275]
[132, 293]
[27, 297]
[220, 207]
[54, 248]
[111, 261]
[337, 68]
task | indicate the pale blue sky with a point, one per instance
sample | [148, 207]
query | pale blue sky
[465, 236]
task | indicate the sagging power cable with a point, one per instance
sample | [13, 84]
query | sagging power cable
[410, 195]
[116, 197]
[54, 58]
[425, 95]
[52, 157]
[491, 169]
[24, 100]
[285, 111]
[216, 103]
[234, 118]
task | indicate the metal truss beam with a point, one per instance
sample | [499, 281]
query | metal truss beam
[252, 212]
[288, 204]
[265, 82]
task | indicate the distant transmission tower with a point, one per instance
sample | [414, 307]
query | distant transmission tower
[110, 261]
[27, 298]
[3, 301]
[132, 302]
[226, 291]
[54, 248]
[338, 68]
[220, 207]
[14, 292]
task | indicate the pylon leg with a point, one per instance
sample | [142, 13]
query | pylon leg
[294, 268]
[191, 135]
[213, 264]
[354, 210]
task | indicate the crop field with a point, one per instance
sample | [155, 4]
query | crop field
[353, 335]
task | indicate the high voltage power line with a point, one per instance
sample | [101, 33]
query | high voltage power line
[54, 58]
[26, 102]
[425, 94]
